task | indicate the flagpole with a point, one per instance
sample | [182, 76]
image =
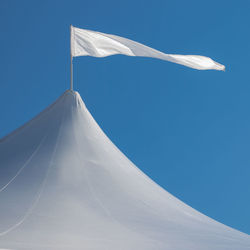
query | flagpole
[71, 62]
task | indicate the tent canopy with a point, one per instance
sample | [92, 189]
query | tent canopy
[65, 185]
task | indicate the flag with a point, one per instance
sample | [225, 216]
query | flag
[91, 43]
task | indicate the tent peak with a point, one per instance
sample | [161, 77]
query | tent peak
[71, 97]
[70, 91]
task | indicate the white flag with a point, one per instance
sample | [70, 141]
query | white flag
[97, 44]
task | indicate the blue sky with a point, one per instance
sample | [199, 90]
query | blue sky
[188, 130]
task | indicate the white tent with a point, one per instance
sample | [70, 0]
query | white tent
[65, 185]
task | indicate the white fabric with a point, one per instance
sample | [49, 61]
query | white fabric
[65, 185]
[97, 44]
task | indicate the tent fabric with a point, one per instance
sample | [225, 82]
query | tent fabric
[91, 43]
[65, 185]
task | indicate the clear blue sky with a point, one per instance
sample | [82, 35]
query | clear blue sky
[188, 130]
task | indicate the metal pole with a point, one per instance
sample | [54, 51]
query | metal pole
[71, 61]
